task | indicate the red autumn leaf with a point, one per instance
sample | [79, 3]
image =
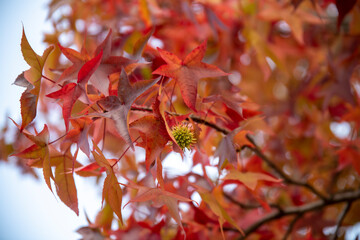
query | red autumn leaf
[118, 107]
[349, 155]
[71, 92]
[187, 72]
[107, 65]
[87, 70]
[77, 60]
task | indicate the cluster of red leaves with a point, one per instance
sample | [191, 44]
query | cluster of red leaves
[284, 72]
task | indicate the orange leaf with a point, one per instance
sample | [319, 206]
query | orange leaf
[112, 192]
[187, 72]
[240, 139]
[250, 179]
[65, 184]
[29, 99]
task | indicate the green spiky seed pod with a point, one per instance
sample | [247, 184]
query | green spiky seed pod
[184, 135]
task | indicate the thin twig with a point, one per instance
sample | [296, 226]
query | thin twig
[291, 225]
[341, 219]
[209, 124]
[57, 139]
[52, 81]
[127, 149]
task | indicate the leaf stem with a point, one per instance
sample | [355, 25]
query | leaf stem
[57, 139]
[124, 153]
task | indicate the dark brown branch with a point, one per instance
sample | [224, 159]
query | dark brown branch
[141, 109]
[317, 205]
[281, 174]
[341, 219]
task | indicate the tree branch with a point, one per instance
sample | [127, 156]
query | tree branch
[341, 219]
[279, 172]
[337, 198]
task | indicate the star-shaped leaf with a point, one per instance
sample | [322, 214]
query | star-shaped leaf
[159, 197]
[118, 107]
[187, 72]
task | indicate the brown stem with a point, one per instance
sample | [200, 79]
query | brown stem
[57, 139]
[124, 153]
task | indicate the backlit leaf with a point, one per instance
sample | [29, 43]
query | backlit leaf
[118, 107]
[249, 179]
[112, 192]
[65, 184]
[187, 72]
